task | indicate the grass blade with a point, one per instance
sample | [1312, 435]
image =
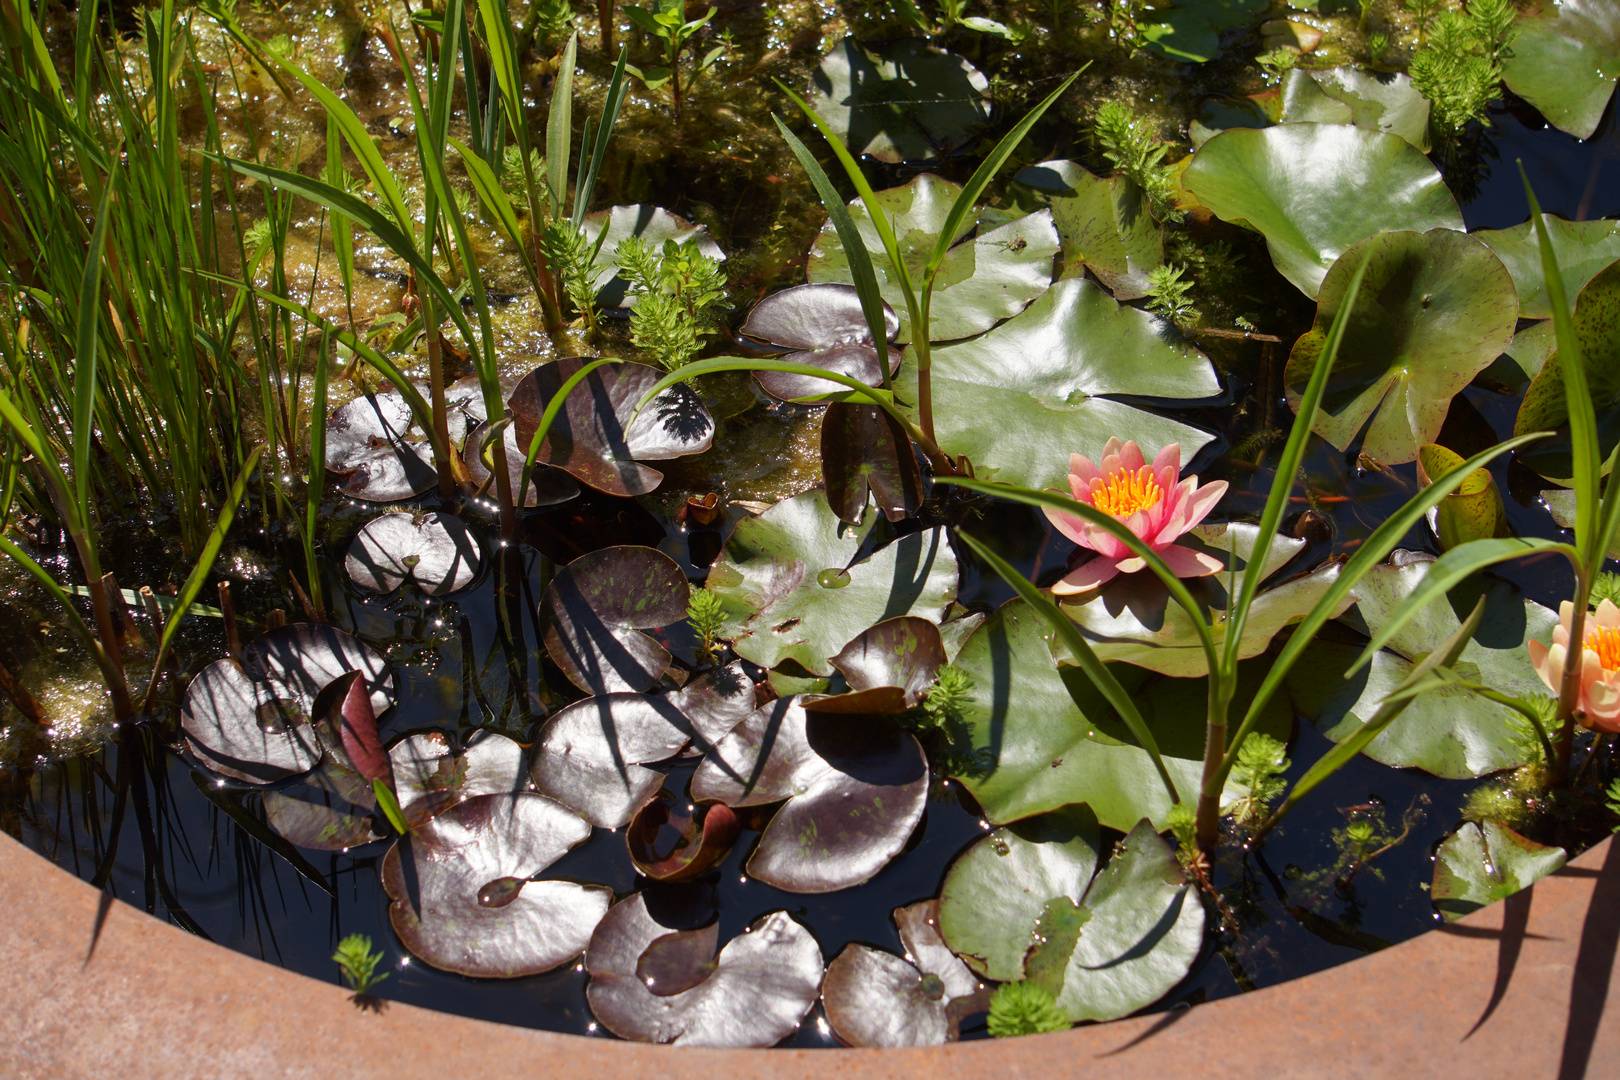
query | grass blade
[586, 188]
[560, 127]
[489, 190]
[86, 364]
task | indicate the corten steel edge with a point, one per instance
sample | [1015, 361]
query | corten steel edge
[1517, 990]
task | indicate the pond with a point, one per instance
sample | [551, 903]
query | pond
[757, 708]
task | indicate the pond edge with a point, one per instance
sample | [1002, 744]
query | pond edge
[1517, 989]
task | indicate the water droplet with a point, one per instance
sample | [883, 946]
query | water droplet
[833, 578]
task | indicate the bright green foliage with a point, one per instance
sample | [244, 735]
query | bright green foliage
[1182, 821]
[1277, 62]
[1022, 1008]
[1460, 69]
[1613, 801]
[1377, 47]
[679, 293]
[1167, 295]
[1424, 12]
[358, 964]
[551, 21]
[1129, 143]
[570, 253]
[1605, 586]
[951, 693]
[705, 612]
[667, 23]
[1261, 762]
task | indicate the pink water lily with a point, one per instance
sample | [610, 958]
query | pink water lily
[1598, 706]
[1150, 500]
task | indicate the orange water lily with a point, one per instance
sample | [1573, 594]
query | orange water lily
[1599, 703]
[1150, 500]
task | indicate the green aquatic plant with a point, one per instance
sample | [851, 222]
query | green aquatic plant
[706, 615]
[358, 964]
[666, 21]
[679, 295]
[1460, 68]
[1261, 763]
[1167, 295]
[1129, 142]
[953, 688]
[1023, 1008]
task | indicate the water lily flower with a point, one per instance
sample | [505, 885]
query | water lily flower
[1150, 500]
[1599, 703]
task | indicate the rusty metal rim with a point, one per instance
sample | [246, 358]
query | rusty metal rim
[97, 988]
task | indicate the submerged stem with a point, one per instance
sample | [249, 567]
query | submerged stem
[1569, 692]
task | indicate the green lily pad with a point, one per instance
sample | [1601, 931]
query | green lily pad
[1375, 100]
[1435, 309]
[980, 282]
[1479, 865]
[1315, 190]
[1565, 61]
[1103, 224]
[1526, 355]
[1191, 29]
[1583, 249]
[1217, 114]
[1133, 619]
[1597, 330]
[1023, 903]
[908, 103]
[790, 592]
[1450, 732]
[1022, 398]
[1473, 512]
[1035, 737]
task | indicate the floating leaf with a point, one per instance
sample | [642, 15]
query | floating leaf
[594, 609]
[908, 103]
[429, 776]
[1565, 60]
[1582, 248]
[1022, 398]
[251, 721]
[1479, 865]
[790, 591]
[481, 914]
[699, 842]
[855, 788]
[867, 455]
[548, 485]
[372, 445]
[1191, 29]
[981, 281]
[1375, 100]
[905, 653]
[597, 437]
[716, 701]
[1316, 190]
[344, 706]
[1473, 512]
[1444, 310]
[1597, 330]
[763, 984]
[874, 998]
[329, 810]
[592, 754]
[1450, 731]
[653, 225]
[1560, 504]
[437, 552]
[826, 326]
[1103, 224]
[1024, 898]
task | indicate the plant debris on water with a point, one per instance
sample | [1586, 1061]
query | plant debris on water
[862, 523]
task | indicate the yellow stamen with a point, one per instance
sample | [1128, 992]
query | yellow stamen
[1605, 641]
[1124, 493]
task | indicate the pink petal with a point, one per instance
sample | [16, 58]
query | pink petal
[1601, 703]
[1089, 575]
[1186, 563]
[1132, 564]
[1203, 501]
[1082, 469]
[1169, 458]
[1111, 448]
[1175, 521]
[1130, 456]
[1607, 615]
[1067, 524]
[1104, 543]
[1539, 657]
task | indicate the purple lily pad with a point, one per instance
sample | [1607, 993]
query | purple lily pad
[481, 913]
[697, 845]
[252, 720]
[865, 453]
[826, 327]
[438, 552]
[329, 810]
[597, 436]
[715, 702]
[548, 486]
[594, 609]
[344, 706]
[377, 453]
[874, 998]
[430, 777]
[906, 653]
[763, 983]
[855, 788]
[679, 960]
[592, 754]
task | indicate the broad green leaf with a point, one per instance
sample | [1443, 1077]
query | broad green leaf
[1451, 731]
[1597, 331]
[1443, 308]
[1132, 931]
[1191, 29]
[907, 103]
[791, 589]
[981, 281]
[1473, 512]
[1376, 101]
[1478, 865]
[1565, 61]
[1103, 224]
[1583, 248]
[1022, 398]
[1315, 190]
